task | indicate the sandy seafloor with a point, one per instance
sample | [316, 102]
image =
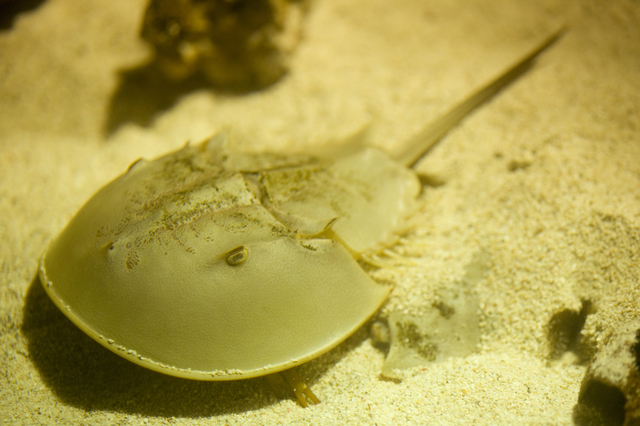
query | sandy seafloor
[544, 181]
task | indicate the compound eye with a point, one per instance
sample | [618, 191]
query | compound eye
[237, 256]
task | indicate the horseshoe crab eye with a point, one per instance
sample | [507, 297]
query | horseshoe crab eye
[237, 256]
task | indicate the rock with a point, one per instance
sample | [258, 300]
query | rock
[238, 45]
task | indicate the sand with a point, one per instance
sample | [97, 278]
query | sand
[543, 182]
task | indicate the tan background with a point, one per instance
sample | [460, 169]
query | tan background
[544, 179]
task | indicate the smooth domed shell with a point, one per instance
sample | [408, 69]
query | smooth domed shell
[178, 266]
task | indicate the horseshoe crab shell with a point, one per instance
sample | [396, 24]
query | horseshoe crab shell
[206, 265]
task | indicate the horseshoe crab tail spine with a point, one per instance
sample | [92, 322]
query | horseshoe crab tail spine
[421, 143]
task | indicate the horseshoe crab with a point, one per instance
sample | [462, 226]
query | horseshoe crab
[213, 265]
